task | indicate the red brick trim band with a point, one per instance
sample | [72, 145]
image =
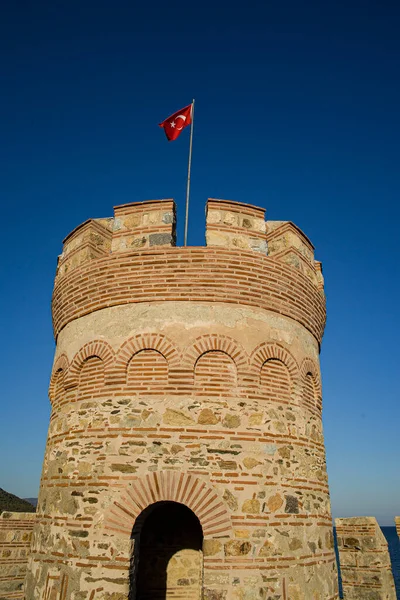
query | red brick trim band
[234, 206]
[189, 274]
[145, 205]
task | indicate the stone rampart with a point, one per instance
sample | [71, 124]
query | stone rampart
[364, 560]
[15, 540]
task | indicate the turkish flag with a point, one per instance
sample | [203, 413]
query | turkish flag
[177, 122]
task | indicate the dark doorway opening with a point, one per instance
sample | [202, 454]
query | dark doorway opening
[167, 560]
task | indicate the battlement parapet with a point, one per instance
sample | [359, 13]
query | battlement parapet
[152, 223]
[132, 257]
[286, 242]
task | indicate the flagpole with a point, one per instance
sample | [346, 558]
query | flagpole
[188, 177]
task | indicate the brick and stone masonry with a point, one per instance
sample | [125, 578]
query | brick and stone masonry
[185, 456]
[364, 560]
[15, 540]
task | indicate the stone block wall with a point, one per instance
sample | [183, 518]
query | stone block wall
[364, 560]
[397, 521]
[15, 540]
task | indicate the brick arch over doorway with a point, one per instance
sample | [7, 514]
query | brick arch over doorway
[184, 488]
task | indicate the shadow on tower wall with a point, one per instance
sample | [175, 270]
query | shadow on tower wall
[167, 560]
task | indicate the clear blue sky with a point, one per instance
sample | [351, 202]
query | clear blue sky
[297, 110]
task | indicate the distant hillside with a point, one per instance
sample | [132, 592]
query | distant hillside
[12, 503]
[32, 501]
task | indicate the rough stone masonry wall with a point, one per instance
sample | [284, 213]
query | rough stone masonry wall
[364, 560]
[188, 375]
[397, 522]
[15, 540]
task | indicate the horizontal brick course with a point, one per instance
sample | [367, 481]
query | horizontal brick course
[193, 274]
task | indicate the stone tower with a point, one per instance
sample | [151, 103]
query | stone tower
[185, 455]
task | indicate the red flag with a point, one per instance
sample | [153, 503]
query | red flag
[177, 122]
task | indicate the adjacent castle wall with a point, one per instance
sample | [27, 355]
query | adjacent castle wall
[364, 560]
[397, 522]
[186, 375]
[15, 540]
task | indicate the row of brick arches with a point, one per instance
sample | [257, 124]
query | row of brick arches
[214, 375]
[217, 370]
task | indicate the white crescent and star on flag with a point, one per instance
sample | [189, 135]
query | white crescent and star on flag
[174, 124]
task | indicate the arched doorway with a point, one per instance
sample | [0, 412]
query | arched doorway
[168, 560]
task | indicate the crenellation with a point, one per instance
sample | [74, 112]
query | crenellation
[319, 275]
[89, 241]
[136, 225]
[286, 242]
[143, 225]
[285, 234]
[235, 225]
